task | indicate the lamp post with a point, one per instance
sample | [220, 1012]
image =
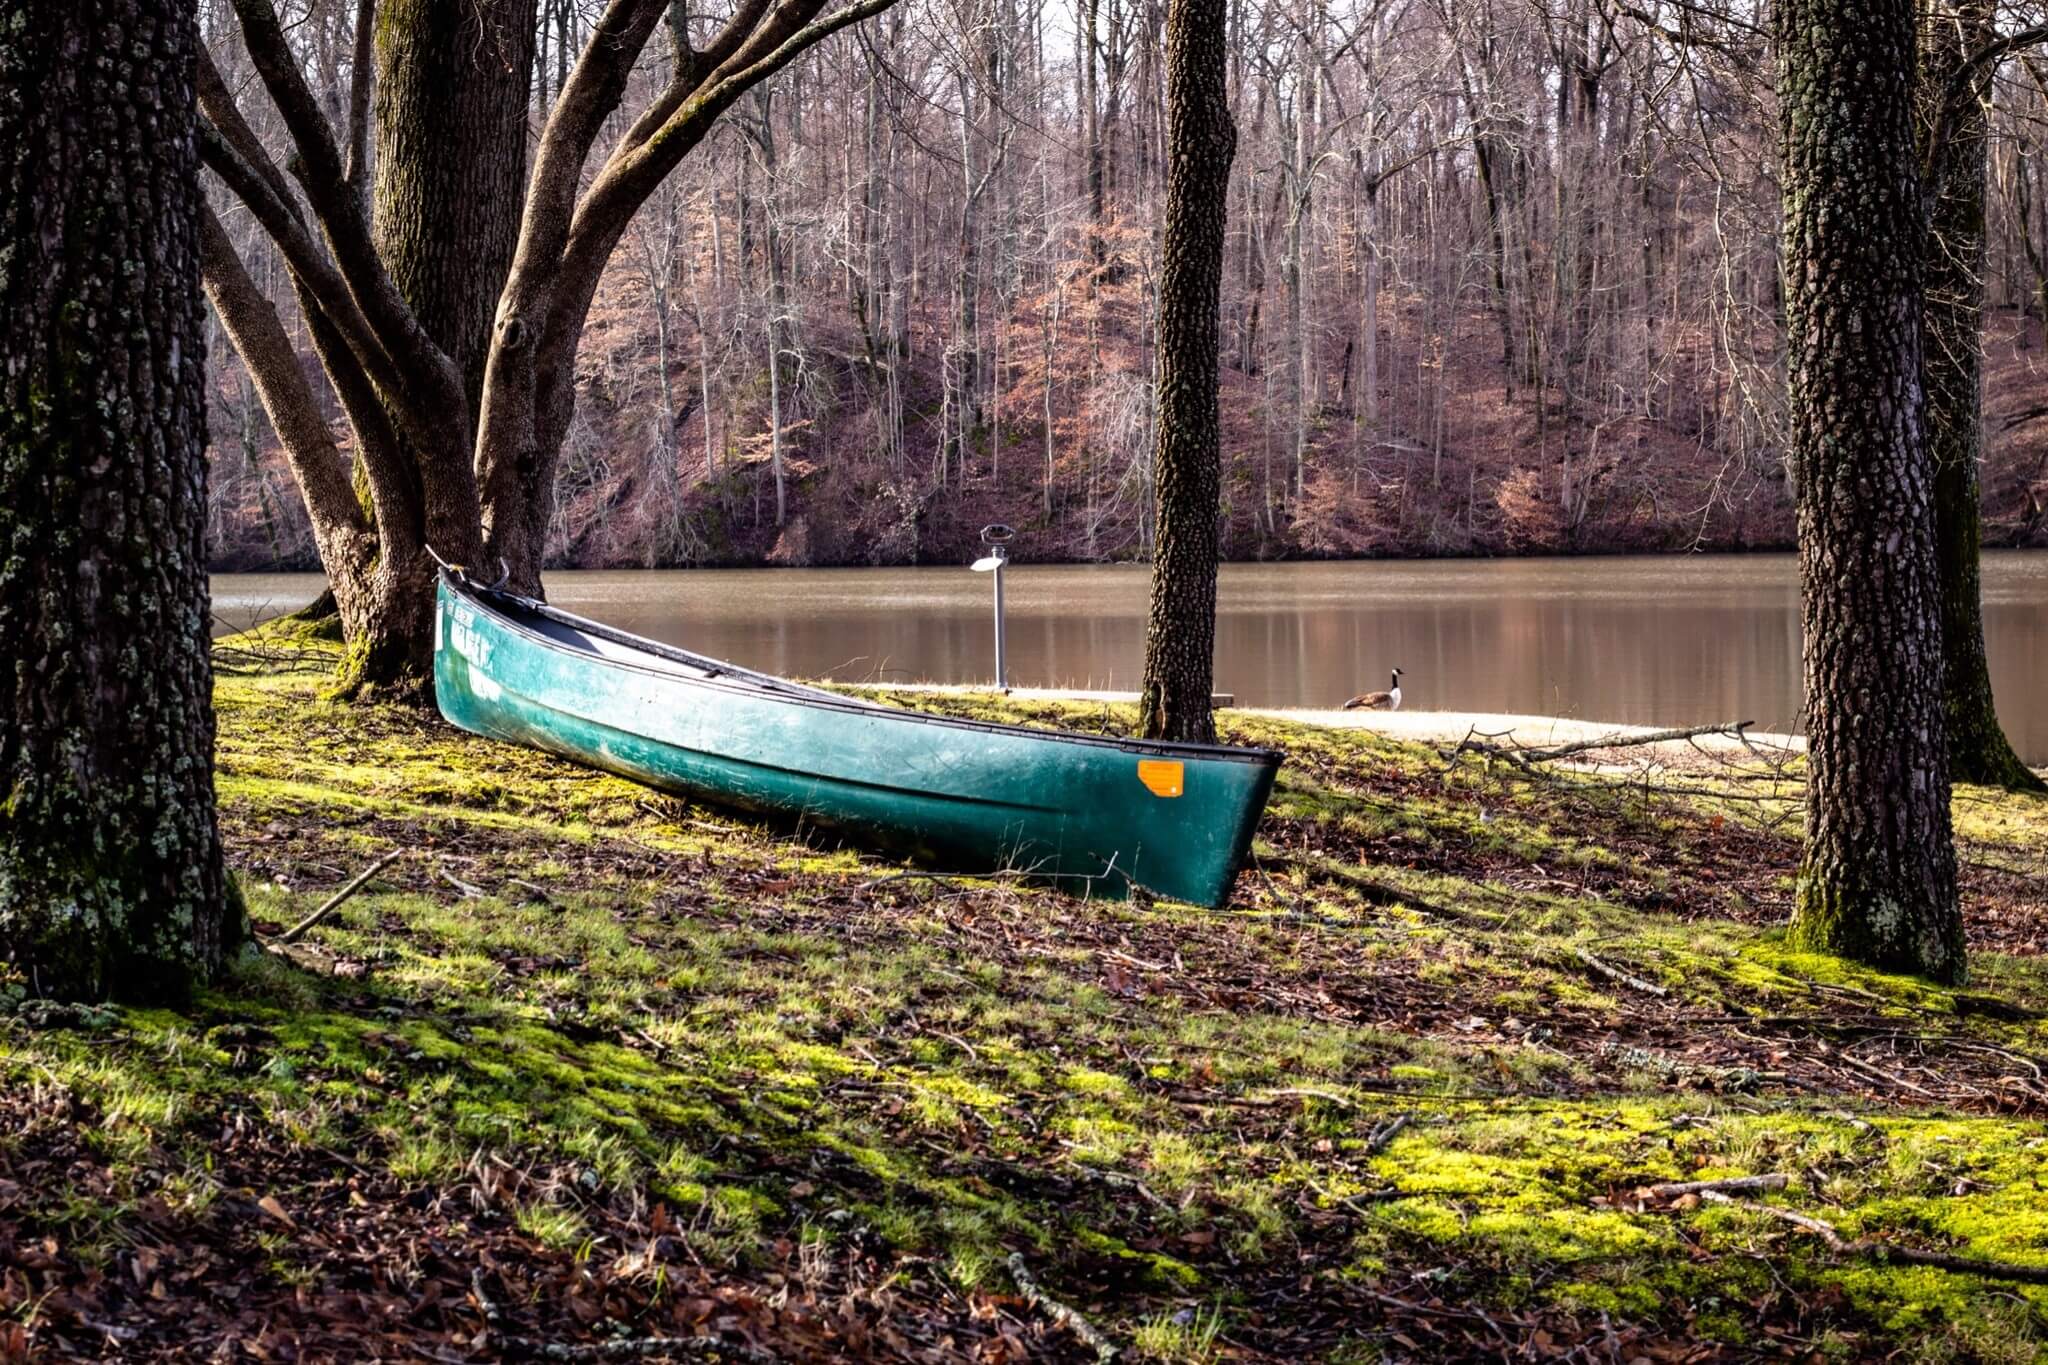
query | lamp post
[997, 538]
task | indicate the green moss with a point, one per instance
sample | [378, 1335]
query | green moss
[710, 1016]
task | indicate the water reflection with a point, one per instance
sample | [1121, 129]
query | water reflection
[1640, 640]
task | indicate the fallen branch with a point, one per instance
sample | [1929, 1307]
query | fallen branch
[1619, 976]
[1059, 1312]
[1878, 1073]
[1886, 1253]
[1616, 740]
[297, 931]
[2022, 417]
[1740, 1184]
[629, 1348]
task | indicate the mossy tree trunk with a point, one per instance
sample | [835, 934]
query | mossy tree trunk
[1954, 367]
[1180, 637]
[1878, 882]
[111, 882]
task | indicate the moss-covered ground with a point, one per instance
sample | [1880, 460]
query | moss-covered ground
[588, 1065]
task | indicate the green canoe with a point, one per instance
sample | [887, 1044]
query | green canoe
[1082, 810]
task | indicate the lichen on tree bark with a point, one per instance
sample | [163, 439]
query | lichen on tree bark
[111, 879]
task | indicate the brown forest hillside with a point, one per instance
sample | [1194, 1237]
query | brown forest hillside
[1502, 278]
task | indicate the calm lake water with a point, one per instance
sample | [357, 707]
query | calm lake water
[1653, 640]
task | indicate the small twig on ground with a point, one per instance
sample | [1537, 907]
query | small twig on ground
[1066, 1317]
[1619, 976]
[2003, 869]
[1440, 1310]
[535, 893]
[1357, 1202]
[1303, 1092]
[628, 1348]
[1125, 1182]
[469, 891]
[957, 1041]
[1878, 1073]
[333, 902]
[1884, 1251]
[908, 877]
[1376, 1141]
[1741, 1184]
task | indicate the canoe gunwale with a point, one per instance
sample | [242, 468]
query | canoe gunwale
[733, 678]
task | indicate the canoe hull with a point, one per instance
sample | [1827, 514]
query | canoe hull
[1086, 812]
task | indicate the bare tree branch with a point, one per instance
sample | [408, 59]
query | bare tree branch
[252, 324]
[428, 379]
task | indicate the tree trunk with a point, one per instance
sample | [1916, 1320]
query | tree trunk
[450, 126]
[1180, 636]
[1954, 369]
[1878, 883]
[450, 129]
[111, 881]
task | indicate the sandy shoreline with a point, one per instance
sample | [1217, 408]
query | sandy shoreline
[1427, 727]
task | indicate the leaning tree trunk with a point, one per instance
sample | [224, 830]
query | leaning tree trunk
[1954, 369]
[1180, 639]
[111, 880]
[1878, 882]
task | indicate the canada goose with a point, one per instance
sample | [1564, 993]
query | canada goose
[1389, 700]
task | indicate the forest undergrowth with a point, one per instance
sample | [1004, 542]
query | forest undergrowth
[1479, 1064]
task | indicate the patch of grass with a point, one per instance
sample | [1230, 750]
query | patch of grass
[718, 1020]
[558, 1229]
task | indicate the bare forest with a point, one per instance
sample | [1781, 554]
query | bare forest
[1501, 276]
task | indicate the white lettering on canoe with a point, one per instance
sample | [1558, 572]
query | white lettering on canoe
[470, 643]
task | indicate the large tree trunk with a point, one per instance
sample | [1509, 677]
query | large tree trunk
[1878, 883]
[111, 881]
[1180, 637]
[449, 124]
[1954, 369]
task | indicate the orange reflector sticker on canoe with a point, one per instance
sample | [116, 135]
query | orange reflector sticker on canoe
[1162, 777]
